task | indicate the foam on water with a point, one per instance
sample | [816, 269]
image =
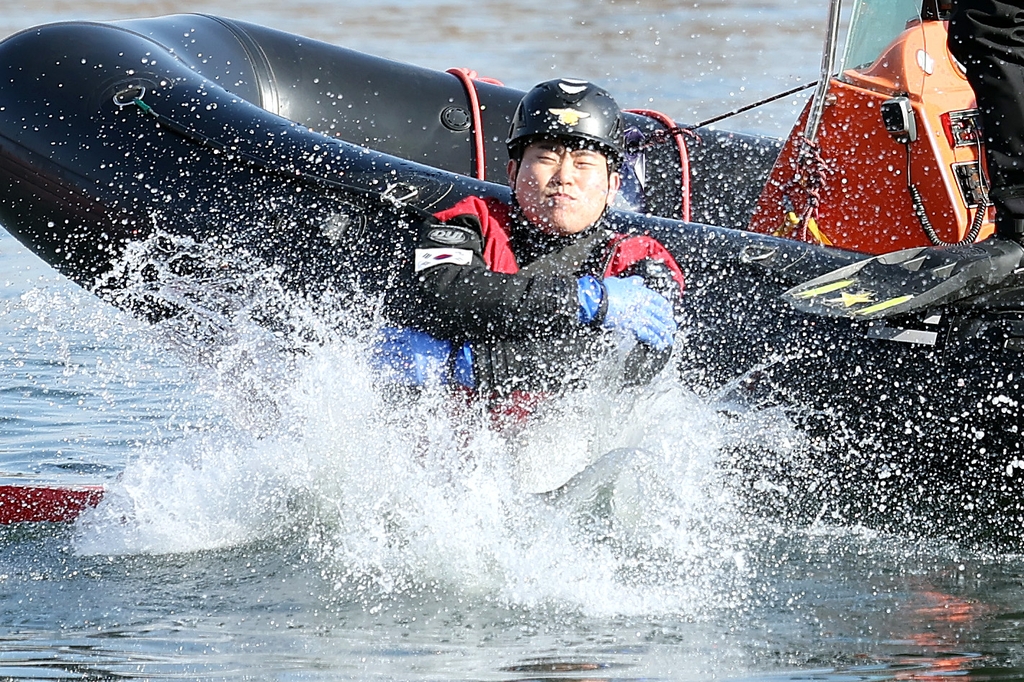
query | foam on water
[388, 496]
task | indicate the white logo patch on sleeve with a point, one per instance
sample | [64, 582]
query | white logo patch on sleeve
[451, 236]
[428, 258]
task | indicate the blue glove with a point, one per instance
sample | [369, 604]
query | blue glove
[416, 358]
[627, 305]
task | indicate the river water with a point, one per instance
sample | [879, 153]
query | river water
[272, 516]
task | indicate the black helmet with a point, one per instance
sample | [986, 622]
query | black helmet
[567, 108]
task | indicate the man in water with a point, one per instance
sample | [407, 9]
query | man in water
[987, 37]
[523, 298]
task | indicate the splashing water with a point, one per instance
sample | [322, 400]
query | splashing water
[390, 497]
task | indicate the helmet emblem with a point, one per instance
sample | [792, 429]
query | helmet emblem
[569, 117]
[572, 87]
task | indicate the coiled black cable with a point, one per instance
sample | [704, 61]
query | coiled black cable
[926, 223]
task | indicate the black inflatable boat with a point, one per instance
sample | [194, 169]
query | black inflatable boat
[158, 136]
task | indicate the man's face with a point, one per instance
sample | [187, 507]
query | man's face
[562, 190]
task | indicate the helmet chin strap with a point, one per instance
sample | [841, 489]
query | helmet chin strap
[515, 180]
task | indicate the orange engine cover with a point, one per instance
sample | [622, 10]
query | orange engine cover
[864, 203]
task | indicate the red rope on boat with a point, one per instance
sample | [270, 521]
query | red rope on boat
[809, 179]
[468, 77]
[684, 156]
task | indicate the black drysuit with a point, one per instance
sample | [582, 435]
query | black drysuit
[517, 304]
[987, 37]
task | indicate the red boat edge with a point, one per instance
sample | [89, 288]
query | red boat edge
[52, 504]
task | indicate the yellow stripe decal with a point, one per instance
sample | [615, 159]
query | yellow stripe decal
[824, 289]
[884, 304]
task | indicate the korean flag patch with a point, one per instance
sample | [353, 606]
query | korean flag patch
[428, 258]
